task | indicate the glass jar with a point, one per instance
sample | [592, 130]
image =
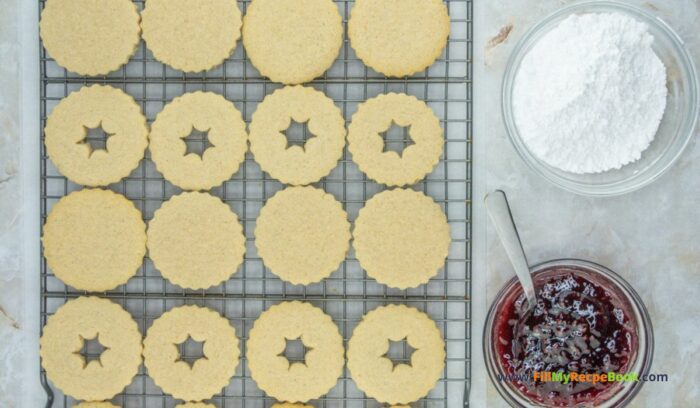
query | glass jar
[618, 394]
[675, 130]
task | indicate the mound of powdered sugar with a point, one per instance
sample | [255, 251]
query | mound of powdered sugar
[590, 94]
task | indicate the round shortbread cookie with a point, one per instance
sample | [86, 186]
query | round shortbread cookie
[195, 405]
[90, 37]
[398, 37]
[292, 41]
[93, 107]
[295, 382]
[367, 146]
[204, 112]
[191, 36]
[208, 375]
[63, 338]
[302, 234]
[92, 404]
[195, 240]
[295, 164]
[401, 238]
[376, 374]
[94, 240]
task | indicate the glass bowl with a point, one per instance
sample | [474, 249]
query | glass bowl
[617, 396]
[675, 130]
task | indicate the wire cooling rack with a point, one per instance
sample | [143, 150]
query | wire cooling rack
[346, 295]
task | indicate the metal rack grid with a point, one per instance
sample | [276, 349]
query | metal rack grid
[348, 294]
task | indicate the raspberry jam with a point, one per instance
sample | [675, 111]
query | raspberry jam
[582, 323]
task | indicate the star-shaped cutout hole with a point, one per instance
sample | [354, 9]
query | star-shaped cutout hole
[400, 352]
[295, 351]
[91, 350]
[197, 142]
[297, 134]
[191, 350]
[96, 138]
[397, 138]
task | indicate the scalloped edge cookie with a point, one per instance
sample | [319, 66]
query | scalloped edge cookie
[188, 38]
[366, 144]
[204, 111]
[94, 240]
[207, 376]
[90, 37]
[195, 240]
[307, 38]
[398, 37]
[62, 339]
[302, 234]
[401, 238]
[295, 382]
[375, 374]
[297, 165]
[118, 114]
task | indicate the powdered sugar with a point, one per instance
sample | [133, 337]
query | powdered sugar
[590, 94]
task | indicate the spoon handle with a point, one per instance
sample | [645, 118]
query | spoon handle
[497, 207]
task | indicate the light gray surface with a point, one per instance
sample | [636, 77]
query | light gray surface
[11, 334]
[650, 237]
[19, 300]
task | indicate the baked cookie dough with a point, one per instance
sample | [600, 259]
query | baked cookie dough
[205, 112]
[375, 374]
[295, 164]
[208, 375]
[292, 41]
[195, 240]
[94, 240]
[302, 234]
[398, 37]
[63, 338]
[92, 107]
[90, 37]
[295, 382]
[366, 143]
[401, 238]
[191, 36]
[195, 405]
[90, 404]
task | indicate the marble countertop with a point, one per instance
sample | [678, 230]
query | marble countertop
[649, 236]
[19, 300]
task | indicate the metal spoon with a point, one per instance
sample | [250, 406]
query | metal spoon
[497, 207]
